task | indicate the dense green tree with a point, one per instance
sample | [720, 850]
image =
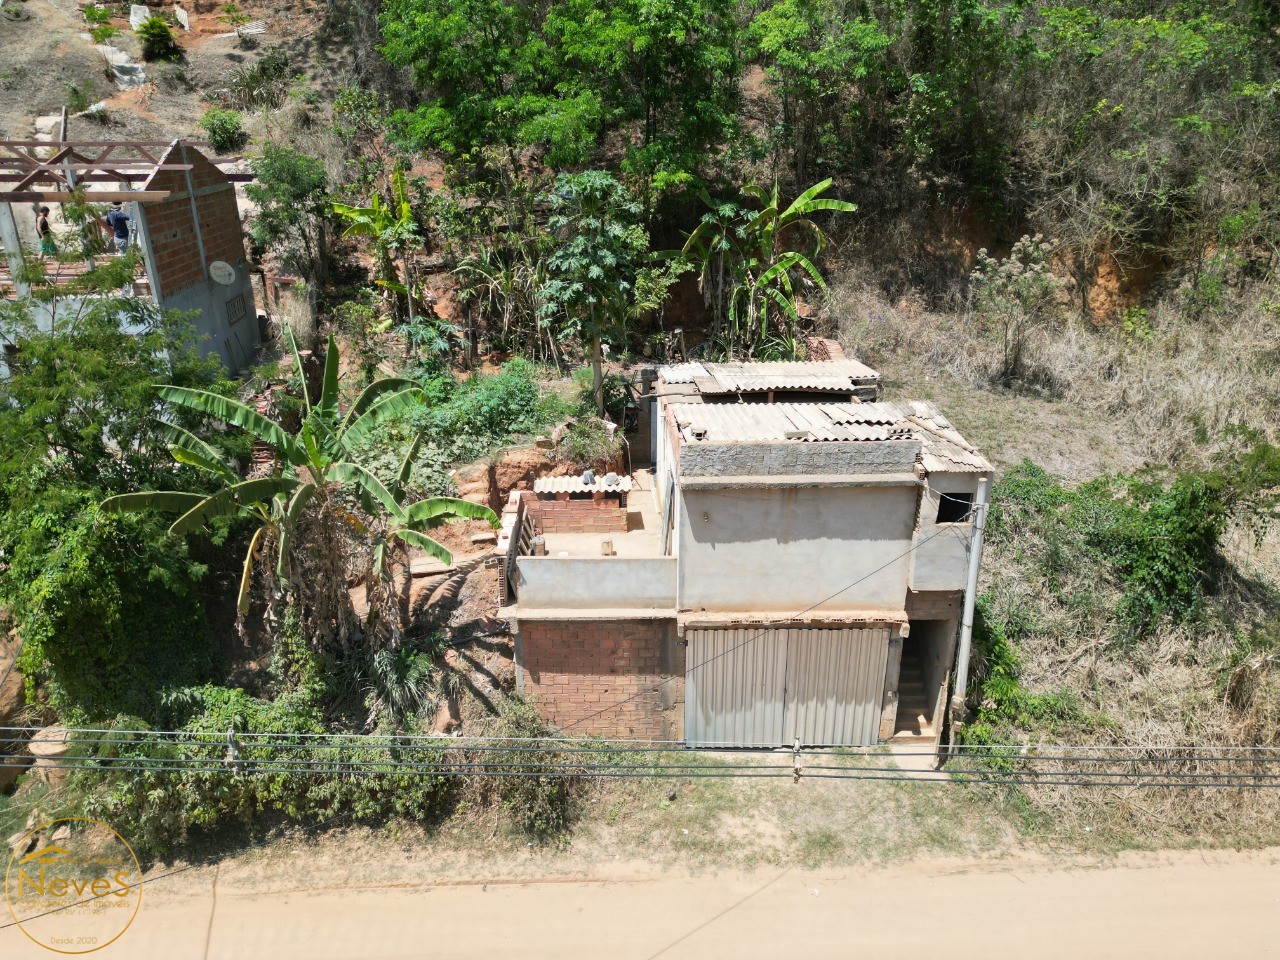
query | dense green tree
[661, 74]
[80, 401]
[291, 191]
[751, 262]
[108, 609]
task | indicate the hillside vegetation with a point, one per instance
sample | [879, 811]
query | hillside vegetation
[1060, 222]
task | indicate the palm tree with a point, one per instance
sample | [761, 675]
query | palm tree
[757, 250]
[311, 491]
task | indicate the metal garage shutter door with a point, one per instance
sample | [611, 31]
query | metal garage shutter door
[755, 687]
[733, 687]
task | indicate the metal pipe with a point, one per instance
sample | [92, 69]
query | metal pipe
[970, 596]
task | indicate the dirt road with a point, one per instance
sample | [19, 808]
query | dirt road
[1156, 905]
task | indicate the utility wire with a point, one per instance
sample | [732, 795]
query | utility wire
[967, 777]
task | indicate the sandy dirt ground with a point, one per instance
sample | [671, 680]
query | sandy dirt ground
[1170, 905]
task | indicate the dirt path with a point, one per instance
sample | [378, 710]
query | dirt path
[1169, 905]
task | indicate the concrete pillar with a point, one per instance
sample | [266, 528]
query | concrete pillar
[13, 249]
[889, 705]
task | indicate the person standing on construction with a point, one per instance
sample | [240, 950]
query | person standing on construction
[118, 222]
[44, 233]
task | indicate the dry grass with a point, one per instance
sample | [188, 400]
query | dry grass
[1161, 393]
[1092, 402]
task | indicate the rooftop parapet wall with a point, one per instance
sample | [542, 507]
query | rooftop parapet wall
[797, 458]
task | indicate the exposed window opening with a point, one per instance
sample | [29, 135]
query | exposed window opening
[954, 507]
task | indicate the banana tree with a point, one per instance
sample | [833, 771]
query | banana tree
[312, 488]
[394, 231]
[762, 252]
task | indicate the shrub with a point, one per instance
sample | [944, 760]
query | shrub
[615, 393]
[109, 606]
[95, 15]
[262, 86]
[79, 97]
[224, 128]
[541, 801]
[160, 808]
[588, 442]
[157, 39]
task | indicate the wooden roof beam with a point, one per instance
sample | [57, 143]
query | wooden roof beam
[103, 196]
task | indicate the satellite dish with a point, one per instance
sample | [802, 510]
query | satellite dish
[222, 272]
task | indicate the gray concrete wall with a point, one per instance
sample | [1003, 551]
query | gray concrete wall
[224, 316]
[783, 550]
[234, 341]
[701, 459]
[584, 583]
[941, 558]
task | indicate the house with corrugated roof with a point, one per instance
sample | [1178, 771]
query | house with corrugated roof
[788, 563]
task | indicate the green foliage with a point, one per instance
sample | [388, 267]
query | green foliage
[659, 74]
[260, 86]
[96, 15]
[157, 39]
[225, 130]
[80, 401]
[314, 476]
[615, 394]
[541, 804]
[79, 97]
[1156, 539]
[462, 422]
[291, 191]
[107, 606]
[1004, 705]
[588, 442]
[159, 809]
[751, 268]
[600, 248]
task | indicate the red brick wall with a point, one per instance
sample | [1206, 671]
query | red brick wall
[171, 230]
[823, 349]
[579, 516]
[572, 669]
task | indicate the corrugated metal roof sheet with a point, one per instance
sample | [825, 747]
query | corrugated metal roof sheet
[713, 378]
[574, 484]
[682, 372]
[781, 422]
[944, 449]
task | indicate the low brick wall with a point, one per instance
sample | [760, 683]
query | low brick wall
[579, 516]
[573, 669]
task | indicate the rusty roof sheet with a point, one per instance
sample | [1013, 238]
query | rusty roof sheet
[790, 422]
[944, 450]
[837, 376]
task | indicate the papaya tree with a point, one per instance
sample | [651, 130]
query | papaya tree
[315, 508]
[600, 248]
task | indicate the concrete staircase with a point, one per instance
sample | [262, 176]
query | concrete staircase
[913, 705]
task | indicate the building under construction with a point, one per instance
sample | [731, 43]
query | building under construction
[184, 220]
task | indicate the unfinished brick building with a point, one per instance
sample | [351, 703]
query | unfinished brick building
[790, 566]
[185, 223]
